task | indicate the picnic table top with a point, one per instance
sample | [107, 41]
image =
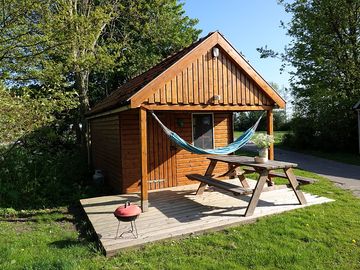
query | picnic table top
[249, 161]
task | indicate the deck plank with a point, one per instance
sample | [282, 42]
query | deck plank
[176, 212]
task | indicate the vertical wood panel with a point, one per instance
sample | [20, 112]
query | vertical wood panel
[243, 89]
[195, 82]
[247, 93]
[157, 96]
[179, 88]
[259, 96]
[174, 91]
[220, 78]
[201, 78]
[251, 92]
[151, 99]
[205, 82]
[191, 84]
[229, 82]
[233, 81]
[215, 77]
[162, 95]
[185, 87]
[238, 87]
[168, 92]
[210, 76]
[224, 79]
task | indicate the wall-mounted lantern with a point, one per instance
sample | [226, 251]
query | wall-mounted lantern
[215, 52]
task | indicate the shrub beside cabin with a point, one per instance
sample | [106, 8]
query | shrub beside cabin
[194, 93]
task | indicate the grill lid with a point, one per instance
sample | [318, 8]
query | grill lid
[127, 210]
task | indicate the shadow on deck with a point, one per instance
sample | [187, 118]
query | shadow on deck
[177, 212]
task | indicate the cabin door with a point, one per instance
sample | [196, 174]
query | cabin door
[161, 153]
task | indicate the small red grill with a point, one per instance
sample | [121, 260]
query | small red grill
[127, 213]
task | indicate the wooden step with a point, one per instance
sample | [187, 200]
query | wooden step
[302, 180]
[237, 190]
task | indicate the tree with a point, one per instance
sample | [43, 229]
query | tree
[24, 114]
[106, 42]
[325, 52]
[152, 30]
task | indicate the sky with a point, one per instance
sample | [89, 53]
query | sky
[247, 24]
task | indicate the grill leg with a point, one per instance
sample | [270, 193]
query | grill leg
[133, 226]
[117, 231]
[133, 230]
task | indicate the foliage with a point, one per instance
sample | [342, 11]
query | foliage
[300, 239]
[244, 120]
[34, 108]
[149, 31]
[44, 169]
[262, 140]
[325, 52]
[67, 44]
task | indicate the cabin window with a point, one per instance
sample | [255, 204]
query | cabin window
[202, 130]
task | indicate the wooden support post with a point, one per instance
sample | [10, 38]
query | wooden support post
[270, 131]
[144, 158]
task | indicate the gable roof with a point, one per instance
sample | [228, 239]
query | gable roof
[135, 91]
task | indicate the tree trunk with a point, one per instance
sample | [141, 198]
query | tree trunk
[82, 85]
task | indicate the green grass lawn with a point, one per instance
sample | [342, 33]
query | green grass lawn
[317, 237]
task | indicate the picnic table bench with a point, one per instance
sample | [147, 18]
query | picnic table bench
[302, 180]
[265, 171]
[236, 190]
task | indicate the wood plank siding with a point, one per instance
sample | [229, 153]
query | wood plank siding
[116, 150]
[130, 150]
[186, 162]
[106, 149]
[206, 77]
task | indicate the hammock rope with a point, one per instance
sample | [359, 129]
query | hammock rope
[232, 147]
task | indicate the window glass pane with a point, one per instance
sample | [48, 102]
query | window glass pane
[203, 131]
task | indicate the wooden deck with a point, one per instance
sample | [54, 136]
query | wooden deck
[177, 212]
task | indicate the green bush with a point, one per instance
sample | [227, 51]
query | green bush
[327, 131]
[43, 170]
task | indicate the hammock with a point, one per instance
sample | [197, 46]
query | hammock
[232, 147]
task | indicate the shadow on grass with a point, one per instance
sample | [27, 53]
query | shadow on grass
[82, 224]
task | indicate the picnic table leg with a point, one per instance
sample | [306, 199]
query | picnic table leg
[242, 178]
[256, 193]
[295, 185]
[270, 182]
[208, 172]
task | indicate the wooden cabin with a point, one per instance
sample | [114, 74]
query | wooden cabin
[194, 93]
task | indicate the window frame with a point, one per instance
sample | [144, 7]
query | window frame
[213, 127]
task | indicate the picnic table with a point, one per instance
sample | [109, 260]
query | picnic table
[235, 164]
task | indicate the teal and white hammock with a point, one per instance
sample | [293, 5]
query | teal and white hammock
[232, 147]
